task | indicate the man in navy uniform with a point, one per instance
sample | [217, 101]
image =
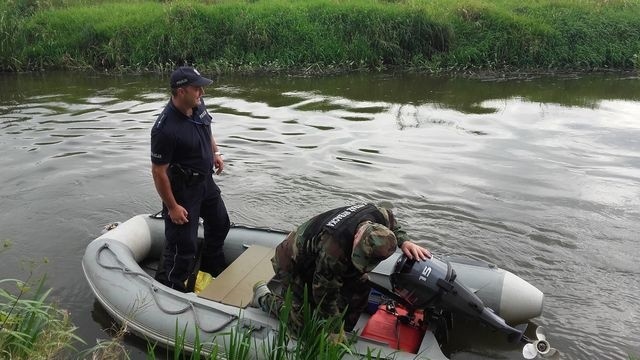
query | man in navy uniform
[184, 155]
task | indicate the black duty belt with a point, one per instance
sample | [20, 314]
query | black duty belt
[185, 175]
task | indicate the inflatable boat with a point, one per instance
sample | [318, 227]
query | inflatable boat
[404, 319]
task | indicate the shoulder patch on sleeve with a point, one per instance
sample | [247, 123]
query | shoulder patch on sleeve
[160, 121]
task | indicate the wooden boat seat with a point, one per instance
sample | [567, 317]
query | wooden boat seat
[234, 286]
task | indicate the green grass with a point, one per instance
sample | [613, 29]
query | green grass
[315, 341]
[563, 34]
[320, 35]
[30, 327]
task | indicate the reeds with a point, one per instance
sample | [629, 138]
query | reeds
[30, 327]
[34, 329]
[315, 341]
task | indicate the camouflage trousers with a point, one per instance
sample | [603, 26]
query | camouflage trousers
[352, 300]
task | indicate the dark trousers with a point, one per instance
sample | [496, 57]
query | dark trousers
[201, 200]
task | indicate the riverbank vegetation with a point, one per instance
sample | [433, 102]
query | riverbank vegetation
[319, 36]
[32, 328]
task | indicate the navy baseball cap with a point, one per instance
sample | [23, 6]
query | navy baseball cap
[186, 75]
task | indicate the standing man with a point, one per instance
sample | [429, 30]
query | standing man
[184, 155]
[330, 255]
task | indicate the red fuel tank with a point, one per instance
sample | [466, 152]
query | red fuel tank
[388, 327]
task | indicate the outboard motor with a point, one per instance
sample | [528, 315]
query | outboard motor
[432, 283]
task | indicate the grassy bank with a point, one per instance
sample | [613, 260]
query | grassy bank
[32, 328]
[321, 35]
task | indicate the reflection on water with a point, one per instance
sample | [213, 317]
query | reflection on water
[540, 176]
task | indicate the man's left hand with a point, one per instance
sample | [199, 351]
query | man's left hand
[414, 251]
[218, 163]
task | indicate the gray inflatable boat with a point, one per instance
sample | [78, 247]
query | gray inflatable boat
[112, 266]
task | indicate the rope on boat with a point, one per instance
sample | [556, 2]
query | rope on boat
[155, 290]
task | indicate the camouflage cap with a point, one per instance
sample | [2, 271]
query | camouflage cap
[376, 243]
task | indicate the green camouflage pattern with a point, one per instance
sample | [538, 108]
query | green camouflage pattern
[376, 244]
[336, 282]
[401, 235]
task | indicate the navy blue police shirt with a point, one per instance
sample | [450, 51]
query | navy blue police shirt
[180, 139]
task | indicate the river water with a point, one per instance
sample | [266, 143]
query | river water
[539, 176]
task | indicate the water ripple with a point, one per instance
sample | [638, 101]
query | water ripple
[544, 183]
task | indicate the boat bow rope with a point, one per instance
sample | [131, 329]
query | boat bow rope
[155, 290]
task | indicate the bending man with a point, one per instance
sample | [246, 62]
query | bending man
[331, 255]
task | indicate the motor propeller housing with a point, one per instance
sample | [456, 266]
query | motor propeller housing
[540, 347]
[432, 283]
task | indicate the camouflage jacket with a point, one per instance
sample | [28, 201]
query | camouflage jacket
[325, 266]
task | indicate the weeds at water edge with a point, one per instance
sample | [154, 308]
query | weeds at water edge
[30, 327]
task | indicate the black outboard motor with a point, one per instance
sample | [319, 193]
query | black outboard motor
[432, 283]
